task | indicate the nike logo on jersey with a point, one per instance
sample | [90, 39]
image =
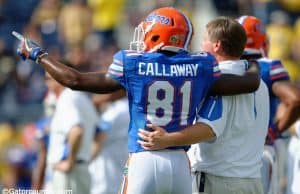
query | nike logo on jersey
[177, 70]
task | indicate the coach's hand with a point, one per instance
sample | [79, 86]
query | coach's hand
[64, 166]
[156, 139]
[28, 49]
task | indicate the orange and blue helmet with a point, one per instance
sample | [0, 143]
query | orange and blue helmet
[257, 39]
[163, 29]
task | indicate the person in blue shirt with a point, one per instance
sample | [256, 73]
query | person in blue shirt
[165, 84]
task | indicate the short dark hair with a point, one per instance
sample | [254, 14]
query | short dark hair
[231, 34]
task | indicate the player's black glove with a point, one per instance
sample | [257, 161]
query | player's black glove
[28, 49]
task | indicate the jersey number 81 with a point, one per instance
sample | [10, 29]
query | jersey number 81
[162, 99]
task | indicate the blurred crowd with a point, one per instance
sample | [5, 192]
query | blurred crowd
[86, 34]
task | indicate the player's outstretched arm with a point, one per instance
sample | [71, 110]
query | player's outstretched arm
[96, 82]
[289, 109]
[229, 84]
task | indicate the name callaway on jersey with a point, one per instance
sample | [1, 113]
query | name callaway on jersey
[166, 70]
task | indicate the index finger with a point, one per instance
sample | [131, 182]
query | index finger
[18, 35]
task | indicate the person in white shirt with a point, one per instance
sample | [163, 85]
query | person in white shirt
[293, 161]
[232, 129]
[107, 167]
[40, 175]
[71, 134]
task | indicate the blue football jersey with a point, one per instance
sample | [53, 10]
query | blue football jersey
[163, 90]
[272, 71]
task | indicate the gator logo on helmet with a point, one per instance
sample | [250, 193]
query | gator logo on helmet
[158, 18]
[175, 39]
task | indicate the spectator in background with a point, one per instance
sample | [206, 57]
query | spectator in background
[232, 8]
[292, 7]
[280, 33]
[282, 39]
[45, 19]
[41, 175]
[110, 153]
[8, 88]
[20, 170]
[75, 23]
[107, 14]
[14, 14]
[71, 133]
[8, 138]
[30, 87]
[78, 57]
[294, 67]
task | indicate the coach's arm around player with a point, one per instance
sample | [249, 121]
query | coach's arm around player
[159, 138]
[236, 84]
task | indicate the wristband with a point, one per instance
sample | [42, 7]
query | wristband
[40, 56]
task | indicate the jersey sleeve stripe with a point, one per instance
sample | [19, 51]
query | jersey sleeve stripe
[276, 66]
[277, 76]
[133, 54]
[114, 73]
[116, 61]
[115, 70]
[277, 71]
[116, 67]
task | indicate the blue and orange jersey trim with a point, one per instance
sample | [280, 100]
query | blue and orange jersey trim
[277, 71]
[116, 68]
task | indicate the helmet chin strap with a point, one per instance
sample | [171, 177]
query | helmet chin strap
[157, 47]
[172, 49]
[165, 48]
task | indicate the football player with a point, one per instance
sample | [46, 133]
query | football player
[165, 85]
[282, 92]
[230, 131]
